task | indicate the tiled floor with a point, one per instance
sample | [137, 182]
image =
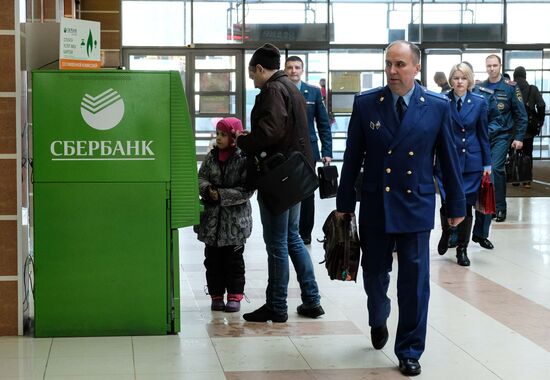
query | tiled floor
[488, 321]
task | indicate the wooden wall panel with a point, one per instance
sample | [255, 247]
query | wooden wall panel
[8, 248]
[8, 187]
[8, 308]
[7, 13]
[7, 63]
[7, 126]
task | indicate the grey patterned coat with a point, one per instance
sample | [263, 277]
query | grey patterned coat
[229, 221]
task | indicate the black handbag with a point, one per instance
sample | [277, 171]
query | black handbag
[328, 181]
[342, 247]
[286, 181]
[517, 167]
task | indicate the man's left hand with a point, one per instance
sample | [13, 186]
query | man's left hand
[516, 144]
[327, 160]
[453, 222]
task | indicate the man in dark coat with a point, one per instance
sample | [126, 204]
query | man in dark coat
[317, 120]
[536, 108]
[279, 125]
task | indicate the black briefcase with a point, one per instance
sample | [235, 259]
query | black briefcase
[286, 181]
[517, 167]
[328, 181]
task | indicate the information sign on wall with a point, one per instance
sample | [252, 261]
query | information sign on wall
[79, 44]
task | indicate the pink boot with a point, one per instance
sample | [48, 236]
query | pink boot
[233, 303]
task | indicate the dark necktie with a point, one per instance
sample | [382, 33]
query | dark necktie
[459, 104]
[401, 108]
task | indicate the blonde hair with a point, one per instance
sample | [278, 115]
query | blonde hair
[465, 69]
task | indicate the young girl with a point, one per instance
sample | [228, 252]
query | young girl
[226, 222]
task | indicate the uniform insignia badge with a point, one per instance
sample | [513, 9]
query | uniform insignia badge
[422, 99]
[500, 106]
[381, 99]
[469, 101]
[374, 125]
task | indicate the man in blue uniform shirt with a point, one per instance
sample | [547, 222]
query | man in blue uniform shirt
[510, 132]
[397, 129]
[316, 115]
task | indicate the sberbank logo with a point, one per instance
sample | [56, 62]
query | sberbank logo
[104, 111]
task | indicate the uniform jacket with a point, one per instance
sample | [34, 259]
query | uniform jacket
[469, 131]
[317, 114]
[278, 124]
[229, 221]
[493, 114]
[512, 111]
[398, 192]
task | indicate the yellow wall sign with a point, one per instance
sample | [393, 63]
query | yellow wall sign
[79, 44]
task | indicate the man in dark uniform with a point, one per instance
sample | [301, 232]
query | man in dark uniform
[316, 115]
[509, 134]
[394, 132]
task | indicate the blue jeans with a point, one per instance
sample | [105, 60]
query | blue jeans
[282, 240]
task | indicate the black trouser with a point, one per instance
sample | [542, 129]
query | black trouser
[528, 151]
[224, 269]
[307, 216]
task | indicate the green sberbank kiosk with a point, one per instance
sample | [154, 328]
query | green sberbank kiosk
[115, 176]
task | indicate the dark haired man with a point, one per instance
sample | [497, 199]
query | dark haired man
[279, 125]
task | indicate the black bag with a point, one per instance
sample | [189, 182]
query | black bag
[328, 181]
[286, 181]
[342, 247]
[517, 167]
[534, 123]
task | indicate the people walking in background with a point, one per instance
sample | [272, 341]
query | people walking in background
[441, 80]
[481, 230]
[470, 134]
[317, 118]
[279, 125]
[536, 108]
[226, 222]
[510, 134]
[397, 129]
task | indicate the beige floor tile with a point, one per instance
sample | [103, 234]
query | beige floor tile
[90, 365]
[91, 346]
[261, 353]
[24, 347]
[176, 363]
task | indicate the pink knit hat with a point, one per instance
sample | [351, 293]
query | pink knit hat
[230, 125]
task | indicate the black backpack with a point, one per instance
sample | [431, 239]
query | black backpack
[342, 247]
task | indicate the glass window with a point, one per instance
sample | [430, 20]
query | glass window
[286, 21]
[154, 23]
[528, 23]
[216, 22]
[348, 16]
[158, 62]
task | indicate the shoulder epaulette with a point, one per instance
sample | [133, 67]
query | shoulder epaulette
[477, 95]
[437, 95]
[371, 91]
[485, 89]
[509, 82]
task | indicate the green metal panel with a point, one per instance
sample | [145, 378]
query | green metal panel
[175, 318]
[183, 165]
[101, 126]
[100, 259]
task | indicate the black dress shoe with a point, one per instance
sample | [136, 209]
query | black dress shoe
[264, 314]
[501, 216]
[443, 244]
[484, 242]
[409, 367]
[462, 257]
[306, 240]
[379, 336]
[313, 312]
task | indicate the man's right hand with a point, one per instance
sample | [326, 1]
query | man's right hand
[340, 215]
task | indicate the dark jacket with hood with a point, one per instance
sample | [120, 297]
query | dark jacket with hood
[278, 124]
[532, 100]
